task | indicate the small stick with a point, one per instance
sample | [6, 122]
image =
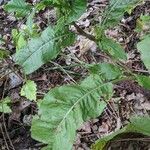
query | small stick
[82, 32]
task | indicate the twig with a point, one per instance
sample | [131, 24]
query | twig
[142, 71]
[56, 64]
[65, 67]
[4, 137]
[4, 119]
[83, 33]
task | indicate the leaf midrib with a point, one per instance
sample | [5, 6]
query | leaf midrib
[72, 107]
[50, 40]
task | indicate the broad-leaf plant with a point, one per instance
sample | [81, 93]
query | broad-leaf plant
[64, 109]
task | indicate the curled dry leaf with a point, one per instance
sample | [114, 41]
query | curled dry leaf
[86, 45]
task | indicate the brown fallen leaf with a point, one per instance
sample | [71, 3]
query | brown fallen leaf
[86, 45]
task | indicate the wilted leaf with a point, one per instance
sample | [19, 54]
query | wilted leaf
[143, 48]
[136, 125]
[65, 108]
[4, 107]
[43, 49]
[29, 90]
[20, 7]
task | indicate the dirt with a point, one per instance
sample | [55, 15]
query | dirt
[129, 98]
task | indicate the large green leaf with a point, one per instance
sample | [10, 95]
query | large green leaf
[42, 49]
[116, 9]
[137, 125]
[65, 108]
[144, 49]
[20, 7]
[112, 48]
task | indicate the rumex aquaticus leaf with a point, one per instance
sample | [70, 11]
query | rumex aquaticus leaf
[64, 109]
[43, 49]
[144, 49]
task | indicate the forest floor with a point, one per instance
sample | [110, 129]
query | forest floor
[129, 98]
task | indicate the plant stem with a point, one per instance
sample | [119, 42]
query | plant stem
[57, 65]
[83, 33]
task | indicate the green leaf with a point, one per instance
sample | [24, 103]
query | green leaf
[76, 9]
[70, 10]
[143, 81]
[2, 41]
[112, 48]
[3, 53]
[20, 7]
[30, 22]
[18, 39]
[43, 49]
[107, 70]
[29, 90]
[65, 108]
[143, 23]
[116, 9]
[145, 18]
[14, 34]
[21, 42]
[136, 125]
[4, 105]
[144, 50]
[110, 71]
